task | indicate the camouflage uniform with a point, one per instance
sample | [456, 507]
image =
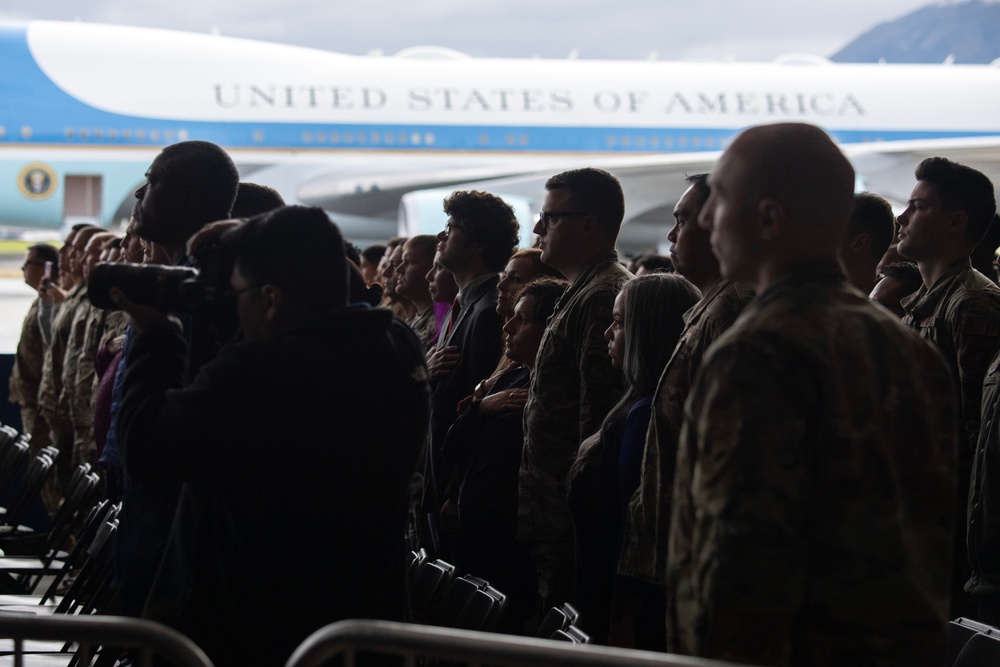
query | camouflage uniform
[92, 320]
[75, 364]
[961, 315]
[572, 388]
[647, 522]
[27, 376]
[424, 325]
[813, 498]
[984, 503]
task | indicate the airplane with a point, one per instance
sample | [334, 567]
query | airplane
[378, 141]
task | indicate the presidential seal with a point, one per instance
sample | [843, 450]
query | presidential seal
[37, 181]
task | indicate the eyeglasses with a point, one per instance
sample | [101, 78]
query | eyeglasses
[545, 218]
[451, 226]
[31, 263]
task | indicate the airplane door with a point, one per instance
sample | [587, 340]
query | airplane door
[82, 199]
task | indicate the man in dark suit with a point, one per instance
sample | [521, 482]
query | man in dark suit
[479, 238]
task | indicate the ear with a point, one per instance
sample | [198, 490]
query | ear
[859, 244]
[771, 218]
[958, 224]
[273, 300]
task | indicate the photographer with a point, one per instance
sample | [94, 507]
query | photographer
[293, 508]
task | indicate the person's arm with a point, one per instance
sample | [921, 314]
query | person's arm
[751, 417]
[977, 341]
[600, 382]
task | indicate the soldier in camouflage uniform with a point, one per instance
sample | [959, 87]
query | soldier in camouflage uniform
[411, 283]
[52, 404]
[957, 308]
[812, 514]
[642, 564]
[574, 384]
[26, 375]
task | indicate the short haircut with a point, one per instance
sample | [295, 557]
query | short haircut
[700, 184]
[297, 248]
[47, 253]
[425, 243]
[207, 171]
[81, 225]
[391, 244]
[539, 268]
[487, 221]
[546, 292]
[873, 215]
[253, 199]
[373, 253]
[596, 192]
[961, 188]
[654, 263]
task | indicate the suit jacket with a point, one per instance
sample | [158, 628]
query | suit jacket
[477, 333]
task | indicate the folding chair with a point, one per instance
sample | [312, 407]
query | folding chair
[454, 600]
[571, 634]
[960, 631]
[483, 610]
[427, 587]
[982, 649]
[557, 618]
[416, 561]
[39, 469]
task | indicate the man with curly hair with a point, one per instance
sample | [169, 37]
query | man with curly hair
[480, 236]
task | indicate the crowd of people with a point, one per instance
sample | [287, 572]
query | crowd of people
[775, 446]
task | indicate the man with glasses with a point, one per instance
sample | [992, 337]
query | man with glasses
[574, 384]
[481, 235]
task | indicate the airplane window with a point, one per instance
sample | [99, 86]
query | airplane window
[509, 139]
[695, 141]
[168, 135]
[429, 138]
[154, 135]
[709, 141]
[404, 138]
[84, 134]
[682, 141]
[112, 133]
[140, 134]
[415, 139]
[26, 132]
[258, 135]
[524, 140]
[610, 141]
[626, 142]
[126, 134]
[390, 138]
[3, 131]
[98, 133]
[69, 132]
[348, 138]
[362, 138]
[668, 141]
[376, 138]
[654, 142]
[640, 141]
[182, 135]
[484, 140]
[321, 137]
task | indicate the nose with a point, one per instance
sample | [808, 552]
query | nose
[141, 192]
[538, 229]
[672, 234]
[609, 332]
[442, 235]
[901, 219]
[507, 327]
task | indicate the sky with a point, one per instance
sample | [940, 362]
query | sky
[617, 29]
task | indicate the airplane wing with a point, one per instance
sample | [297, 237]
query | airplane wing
[652, 184]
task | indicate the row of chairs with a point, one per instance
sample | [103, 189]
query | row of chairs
[439, 597]
[972, 644]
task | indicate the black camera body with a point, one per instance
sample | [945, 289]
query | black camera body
[167, 288]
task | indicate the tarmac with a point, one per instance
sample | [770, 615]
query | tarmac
[15, 299]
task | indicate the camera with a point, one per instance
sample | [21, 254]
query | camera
[166, 288]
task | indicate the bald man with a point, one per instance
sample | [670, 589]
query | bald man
[813, 510]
